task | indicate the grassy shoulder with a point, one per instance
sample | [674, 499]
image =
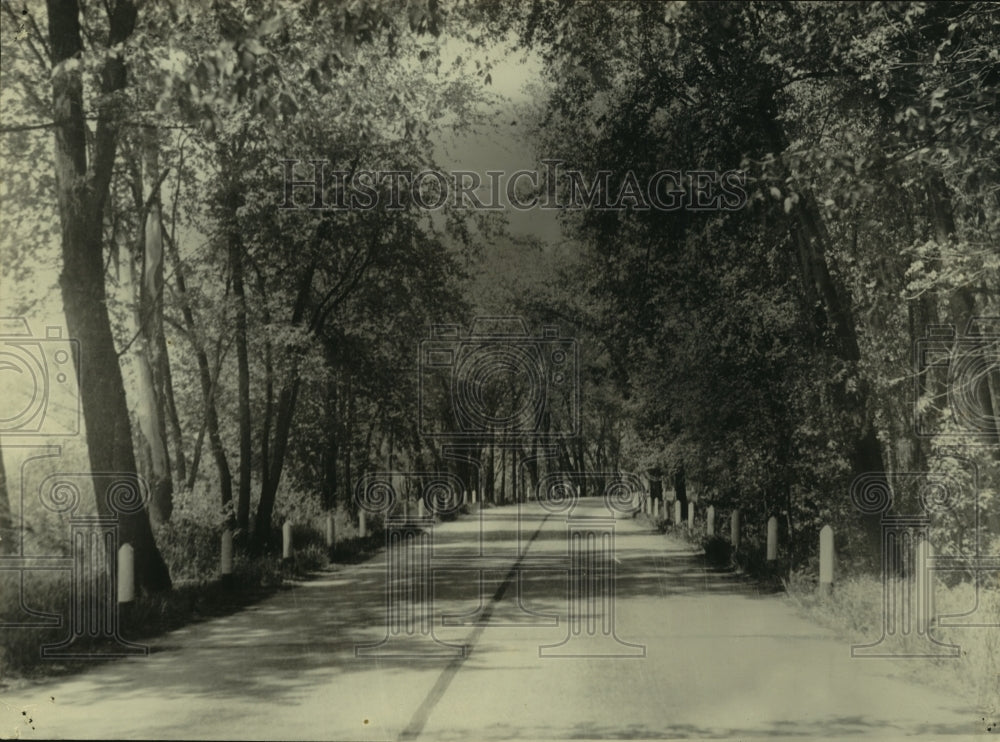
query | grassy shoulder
[192, 599]
[149, 616]
[199, 593]
[854, 611]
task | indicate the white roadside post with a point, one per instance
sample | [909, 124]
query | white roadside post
[286, 540]
[772, 539]
[826, 560]
[226, 557]
[126, 574]
[331, 532]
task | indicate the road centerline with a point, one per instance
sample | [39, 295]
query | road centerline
[419, 719]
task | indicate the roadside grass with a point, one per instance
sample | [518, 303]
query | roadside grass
[199, 593]
[150, 615]
[854, 611]
[749, 561]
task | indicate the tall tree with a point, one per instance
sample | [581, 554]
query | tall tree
[8, 545]
[82, 185]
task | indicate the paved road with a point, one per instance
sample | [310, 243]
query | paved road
[705, 657]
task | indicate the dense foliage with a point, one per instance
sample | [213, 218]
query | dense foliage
[770, 353]
[759, 356]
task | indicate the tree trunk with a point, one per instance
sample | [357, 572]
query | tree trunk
[149, 442]
[265, 428]
[148, 328]
[151, 307]
[283, 422]
[208, 387]
[503, 473]
[215, 439]
[837, 319]
[349, 445]
[8, 539]
[174, 430]
[243, 365]
[82, 194]
[680, 491]
[491, 477]
[962, 304]
[328, 468]
[532, 467]
[200, 442]
[269, 490]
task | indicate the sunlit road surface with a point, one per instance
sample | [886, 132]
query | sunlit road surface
[710, 658]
